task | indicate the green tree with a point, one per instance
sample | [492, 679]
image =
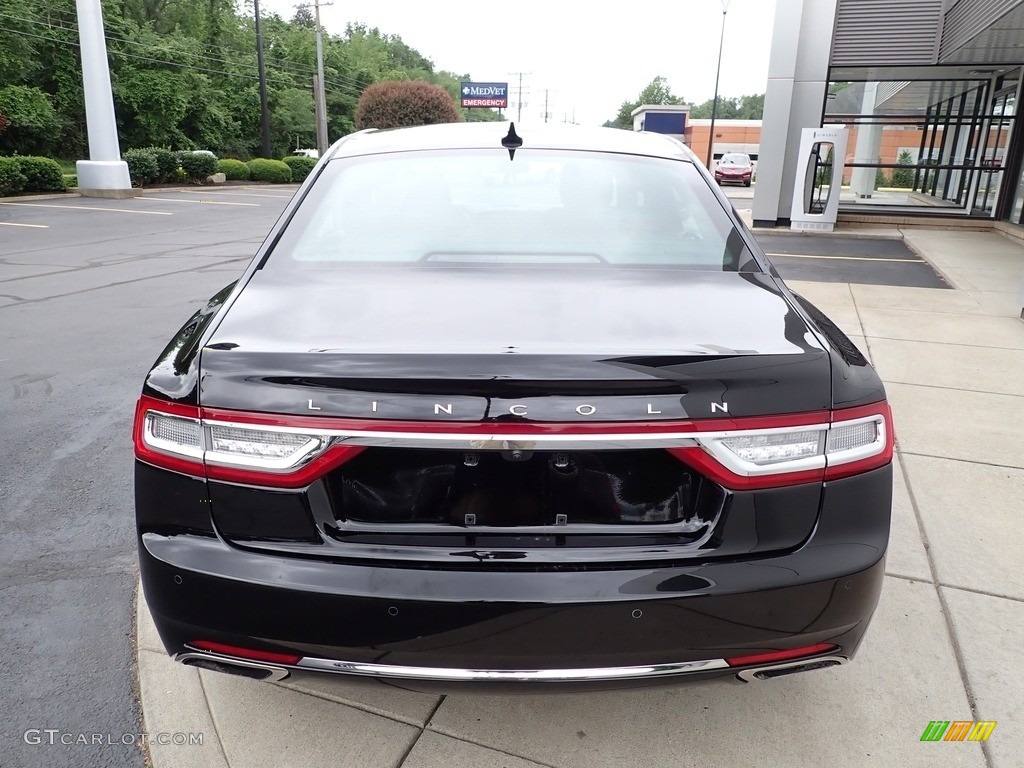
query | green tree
[293, 118]
[728, 109]
[751, 107]
[304, 18]
[655, 92]
[34, 127]
[903, 178]
[184, 75]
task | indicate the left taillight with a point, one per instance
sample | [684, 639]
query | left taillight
[183, 439]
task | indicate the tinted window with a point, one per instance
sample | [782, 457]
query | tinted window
[544, 207]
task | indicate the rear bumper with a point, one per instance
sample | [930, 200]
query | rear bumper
[737, 178]
[417, 626]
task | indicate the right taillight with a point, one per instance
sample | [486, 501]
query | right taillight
[859, 439]
[842, 443]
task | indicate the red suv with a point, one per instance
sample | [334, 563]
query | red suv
[736, 168]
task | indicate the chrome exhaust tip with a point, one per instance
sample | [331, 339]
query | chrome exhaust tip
[790, 668]
[254, 670]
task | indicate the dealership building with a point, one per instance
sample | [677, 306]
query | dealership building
[926, 91]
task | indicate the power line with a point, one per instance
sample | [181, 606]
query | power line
[288, 66]
[354, 89]
[143, 58]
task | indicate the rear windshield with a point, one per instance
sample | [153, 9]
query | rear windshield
[543, 207]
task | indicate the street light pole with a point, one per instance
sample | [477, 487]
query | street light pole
[104, 174]
[718, 72]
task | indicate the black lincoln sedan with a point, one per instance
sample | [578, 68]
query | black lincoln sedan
[525, 407]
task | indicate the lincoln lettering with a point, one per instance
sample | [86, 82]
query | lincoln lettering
[520, 409]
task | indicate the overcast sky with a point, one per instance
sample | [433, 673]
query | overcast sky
[590, 57]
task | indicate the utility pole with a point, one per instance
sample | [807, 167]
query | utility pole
[321, 118]
[265, 150]
[519, 106]
[321, 96]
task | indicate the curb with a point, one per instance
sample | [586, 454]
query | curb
[73, 191]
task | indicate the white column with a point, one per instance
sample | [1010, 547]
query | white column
[104, 172]
[869, 144]
[794, 98]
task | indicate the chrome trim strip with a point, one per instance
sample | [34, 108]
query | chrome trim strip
[711, 442]
[521, 442]
[379, 437]
[750, 675]
[276, 673]
[456, 675]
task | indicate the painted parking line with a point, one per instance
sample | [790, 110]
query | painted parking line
[90, 208]
[235, 194]
[264, 189]
[197, 202]
[12, 224]
[841, 258]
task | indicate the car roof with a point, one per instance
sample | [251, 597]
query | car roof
[484, 135]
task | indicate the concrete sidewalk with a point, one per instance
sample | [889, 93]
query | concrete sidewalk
[946, 642]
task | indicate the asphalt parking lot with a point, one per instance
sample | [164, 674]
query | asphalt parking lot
[90, 290]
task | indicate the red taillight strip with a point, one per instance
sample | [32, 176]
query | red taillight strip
[776, 656]
[251, 654]
[331, 459]
[702, 461]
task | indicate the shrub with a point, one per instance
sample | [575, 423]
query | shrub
[274, 171]
[166, 162]
[178, 176]
[233, 170]
[70, 181]
[403, 103]
[41, 174]
[142, 166]
[12, 180]
[881, 180]
[197, 165]
[300, 165]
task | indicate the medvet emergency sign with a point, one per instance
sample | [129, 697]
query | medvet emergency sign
[485, 95]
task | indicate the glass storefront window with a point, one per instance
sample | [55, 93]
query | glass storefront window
[923, 143]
